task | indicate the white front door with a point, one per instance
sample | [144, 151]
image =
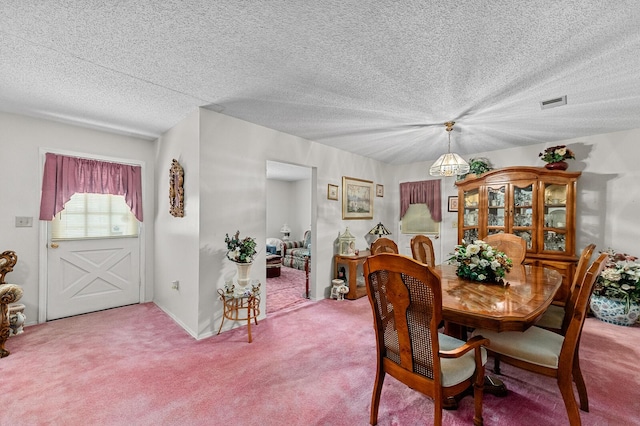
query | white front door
[92, 274]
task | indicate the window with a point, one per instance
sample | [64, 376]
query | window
[417, 220]
[94, 216]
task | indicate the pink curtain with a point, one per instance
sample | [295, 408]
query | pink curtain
[64, 176]
[423, 192]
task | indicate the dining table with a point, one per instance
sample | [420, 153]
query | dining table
[514, 304]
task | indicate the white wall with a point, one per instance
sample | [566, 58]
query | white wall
[177, 238]
[301, 208]
[289, 202]
[233, 195]
[21, 138]
[279, 206]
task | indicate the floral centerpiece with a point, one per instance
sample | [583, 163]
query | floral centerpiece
[240, 250]
[556, 155]
[620, 279]
[478, 261]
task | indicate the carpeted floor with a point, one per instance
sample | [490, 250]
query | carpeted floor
[287, 291]
[314, 365]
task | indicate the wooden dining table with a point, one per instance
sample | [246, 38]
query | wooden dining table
[514, 305]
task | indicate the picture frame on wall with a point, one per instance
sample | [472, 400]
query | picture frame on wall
[379, 190]
[332, 192]
[357, 198]
[176, 189]
[453, 204]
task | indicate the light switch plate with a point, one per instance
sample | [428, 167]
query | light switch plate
[24, 221]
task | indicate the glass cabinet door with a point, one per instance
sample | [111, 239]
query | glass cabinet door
[497, 208]
[555, 217]
[523, 216]
[471, 205]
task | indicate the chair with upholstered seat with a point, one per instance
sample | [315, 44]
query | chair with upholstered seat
[9, 293]
[384, 245]
[554, 317]
[513, 246]
[422, 250]
[552, 354]
[406, 299]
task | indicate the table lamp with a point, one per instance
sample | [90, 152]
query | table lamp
[379, 230]
[286, 231]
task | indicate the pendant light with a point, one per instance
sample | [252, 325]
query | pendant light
[449, 164]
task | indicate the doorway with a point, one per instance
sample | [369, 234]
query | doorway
[290, 198]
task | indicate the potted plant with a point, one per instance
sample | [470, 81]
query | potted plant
[478, 261]
[616, 294]
[555, 157]
[477, 166]
[241, 252]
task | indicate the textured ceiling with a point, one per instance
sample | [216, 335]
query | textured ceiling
[377, 78]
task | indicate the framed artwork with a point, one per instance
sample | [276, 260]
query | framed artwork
[176, 189]
[332, 192]
[453, 204]
[379, 190]
[357, 198]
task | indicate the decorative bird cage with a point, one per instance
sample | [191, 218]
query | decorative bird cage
[347, 243]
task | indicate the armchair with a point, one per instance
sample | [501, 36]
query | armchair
[9, 293]
[406, 300]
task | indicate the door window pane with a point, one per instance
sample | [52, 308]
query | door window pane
[94, 216]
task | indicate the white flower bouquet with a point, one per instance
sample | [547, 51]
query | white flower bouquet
[479, 261]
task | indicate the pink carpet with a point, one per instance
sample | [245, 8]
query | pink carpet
[310, 366]
[287, 291]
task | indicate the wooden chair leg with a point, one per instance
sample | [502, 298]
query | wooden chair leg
[566, 389]
[437, 413]
[478, 390]
[375, 398]
[579, 381]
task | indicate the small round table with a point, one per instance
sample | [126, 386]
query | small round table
[240, 305]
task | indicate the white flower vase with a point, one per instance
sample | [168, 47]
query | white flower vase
[244, 272]
[613, 310]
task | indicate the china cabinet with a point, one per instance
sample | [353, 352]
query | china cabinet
[534, 203]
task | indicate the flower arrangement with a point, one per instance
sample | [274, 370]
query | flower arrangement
[620, 279]
[555, 154]
[240, 251]
[478, 261]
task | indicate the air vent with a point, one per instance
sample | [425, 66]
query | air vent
[552, 103]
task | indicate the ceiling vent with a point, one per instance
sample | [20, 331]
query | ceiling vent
[552, 103]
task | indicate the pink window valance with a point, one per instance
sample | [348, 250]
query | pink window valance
[64, 176]
[423, 192]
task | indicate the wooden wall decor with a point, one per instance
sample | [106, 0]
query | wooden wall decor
[176, 189]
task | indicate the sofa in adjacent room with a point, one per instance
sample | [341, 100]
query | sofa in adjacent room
[295, 254]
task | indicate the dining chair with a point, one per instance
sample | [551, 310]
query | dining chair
[406, 299]
[513, 246]
[548, 353]
[384, 245]
[554, 317]
[422, 250]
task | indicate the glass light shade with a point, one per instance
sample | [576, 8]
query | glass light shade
[285, 229]
[379, 229]
[449, 164]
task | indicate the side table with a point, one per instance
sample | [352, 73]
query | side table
[240, 306]
[353, 262]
